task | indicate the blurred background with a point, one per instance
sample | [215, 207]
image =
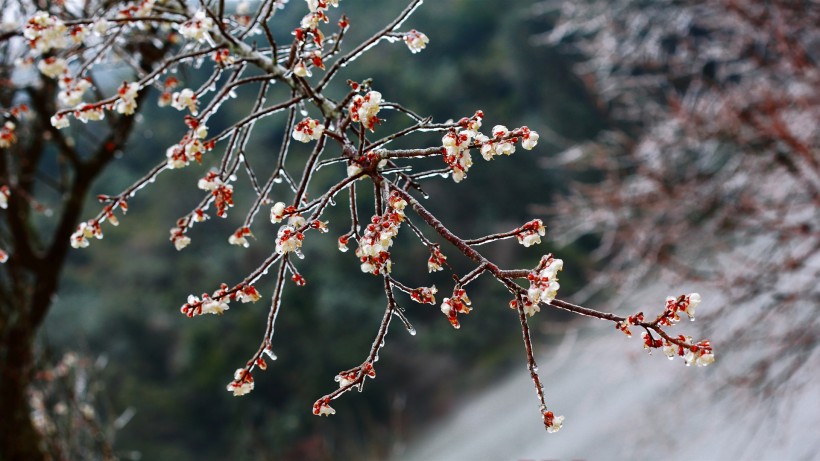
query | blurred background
[678, 153]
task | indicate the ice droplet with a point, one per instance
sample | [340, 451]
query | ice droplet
[270, 354]
[412, 331]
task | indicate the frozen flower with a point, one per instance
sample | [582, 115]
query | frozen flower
[101, 26]
[343, 240]
[242, 383]
[301, 70]
[7, 138]
[424, 295]
[59, 121]
[544, 281]
[692, 301]
[415, 40]
[197, 27]
[459, 303]
[45, 32]
[437, 260]
[248, 294]
[288, 240]
[552, 422]
[86, 230]
[72, 92]
[185, 99]
[127, 102]
[363, 109]
[353, 169]
[456, 152]
[214, 306]
[308, 130]
[3, 256]
[529, 138]
[52, 67]
[179, 239]
[322, 408]
[277, 212]
[89, 113]
[240, 237]
[531, 233]
[296, 221]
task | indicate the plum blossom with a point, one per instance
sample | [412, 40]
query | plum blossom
[185, 99]
[416, 41]
[363, 109]
[544, 281]
[288, 240]
[553, 423]
[242, 382]
[437, 260]
[424, 295]
[72, 91]
[7, 137]
[52, 67]
[4, 256]
[89, 113]
[239, 237]
[213, 306]
[127, 102]
[529, 138]
[531, 233]
[308, 130]
[278, 212]
[248, 294]
[59, 121]
[457, 154]
[459, 303]
[322, 408]
[377, 239]
[85, 230]
[45, 32]
[197, 27]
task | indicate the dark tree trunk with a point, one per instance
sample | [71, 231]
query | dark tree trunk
[19, 441]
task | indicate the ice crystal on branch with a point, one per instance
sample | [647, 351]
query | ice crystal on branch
[346, 136]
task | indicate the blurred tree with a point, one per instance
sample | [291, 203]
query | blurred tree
[710, 171]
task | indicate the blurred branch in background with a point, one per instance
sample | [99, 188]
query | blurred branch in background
[710, 170]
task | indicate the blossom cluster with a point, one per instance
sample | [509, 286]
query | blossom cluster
[218, 302]
[543, 283]
[373, 250]
[45, 32]
[363, 109]
[197, 27]
[457, 142]
[459, 303]
[221, 191]
[699, 353]
[85, 231]
[683, 303]
[437, 260]
[191, 147]
[424, 295]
